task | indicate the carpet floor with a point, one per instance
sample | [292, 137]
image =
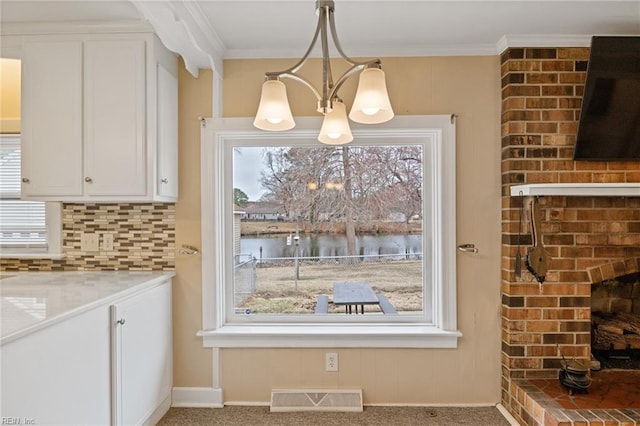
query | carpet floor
[259, 416]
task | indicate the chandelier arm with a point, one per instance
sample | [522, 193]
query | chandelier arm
[351, 71]
[327, 79]
[302, 80]
[301, 62]
[336, 43]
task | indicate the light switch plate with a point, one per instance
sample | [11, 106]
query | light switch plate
[107, 242]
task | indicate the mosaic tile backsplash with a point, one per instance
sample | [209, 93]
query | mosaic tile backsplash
[143, 234]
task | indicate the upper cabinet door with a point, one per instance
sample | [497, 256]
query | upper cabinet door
[115, 117]
[167, 134]
[51, 118]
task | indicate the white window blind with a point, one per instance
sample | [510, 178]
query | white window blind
[22, 223]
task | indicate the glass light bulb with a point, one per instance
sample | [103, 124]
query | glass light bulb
[277, 120]
[334, 135]
[370, 111]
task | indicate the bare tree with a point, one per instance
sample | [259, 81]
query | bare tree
[350, 229]
[347, 184]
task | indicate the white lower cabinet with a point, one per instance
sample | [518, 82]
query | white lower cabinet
[91, 369]
[141, 351]
[60, 375]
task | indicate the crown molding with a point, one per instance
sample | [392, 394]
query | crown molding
[546, 40]
[183, 28]
[505, 42]
[373, 52]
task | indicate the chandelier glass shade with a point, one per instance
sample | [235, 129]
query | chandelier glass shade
[274, 112]
[371, 104]
[335, 126]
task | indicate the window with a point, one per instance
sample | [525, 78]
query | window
[27, 228]
[263, 292]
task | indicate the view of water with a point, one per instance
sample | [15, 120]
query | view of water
[330, 246]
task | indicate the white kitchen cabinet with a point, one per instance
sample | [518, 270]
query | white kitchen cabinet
[100, 354]
[167, 133]
[114, 118]
[51, 123]
[60, 375]
[141, 351]
[103, 126]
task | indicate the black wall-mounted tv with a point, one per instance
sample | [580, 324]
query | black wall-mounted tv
[609, 127]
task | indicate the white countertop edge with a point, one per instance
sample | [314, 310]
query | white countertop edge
[578, 189]
[334, 335]
[150, 283]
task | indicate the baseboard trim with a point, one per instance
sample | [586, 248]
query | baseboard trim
[434, 405]
[247, 403]
[197, 397]
[159, 412]
[212, 398]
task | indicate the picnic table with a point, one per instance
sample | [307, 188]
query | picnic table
[353, 295]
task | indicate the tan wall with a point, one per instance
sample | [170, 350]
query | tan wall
[192, 363]
[466, 86]
[9, 95]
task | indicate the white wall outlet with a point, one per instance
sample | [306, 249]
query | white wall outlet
[89, 242]
[107, 242]
[331, 361]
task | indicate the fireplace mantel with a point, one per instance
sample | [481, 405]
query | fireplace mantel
[578, 189]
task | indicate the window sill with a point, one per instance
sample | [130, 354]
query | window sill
[17, 255]
[333, 336]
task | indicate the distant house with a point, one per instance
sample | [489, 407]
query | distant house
[397, 217]
[263, 210]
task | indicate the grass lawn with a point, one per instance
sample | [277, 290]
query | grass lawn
[399, 280]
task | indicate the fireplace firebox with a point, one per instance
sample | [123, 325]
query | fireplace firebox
[615, 322]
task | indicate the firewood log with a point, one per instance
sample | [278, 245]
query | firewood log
[605, 340]
[633, 341]
[632, 321]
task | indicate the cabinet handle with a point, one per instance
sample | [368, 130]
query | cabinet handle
[120, 321]
[165, 180]
[88, 179]
[25, 180]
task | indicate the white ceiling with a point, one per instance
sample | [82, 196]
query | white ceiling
[374, 28]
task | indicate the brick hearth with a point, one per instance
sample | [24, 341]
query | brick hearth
[588, 239]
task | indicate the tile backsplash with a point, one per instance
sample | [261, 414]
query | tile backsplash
[143, 239]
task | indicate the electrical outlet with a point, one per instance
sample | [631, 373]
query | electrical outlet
[107, 242]
[331, 361]
[89, 242]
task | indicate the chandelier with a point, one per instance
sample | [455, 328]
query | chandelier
[371, 104]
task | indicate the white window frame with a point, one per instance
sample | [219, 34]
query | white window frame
[220, 331]
[53, 219]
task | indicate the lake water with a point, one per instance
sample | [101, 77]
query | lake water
[331, 246]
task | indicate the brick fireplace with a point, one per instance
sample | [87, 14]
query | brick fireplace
[588, 239]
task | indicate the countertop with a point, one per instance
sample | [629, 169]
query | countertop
[33, 300]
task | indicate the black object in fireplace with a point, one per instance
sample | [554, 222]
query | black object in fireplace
[574, 376]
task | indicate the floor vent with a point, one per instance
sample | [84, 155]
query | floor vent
[283, 400]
